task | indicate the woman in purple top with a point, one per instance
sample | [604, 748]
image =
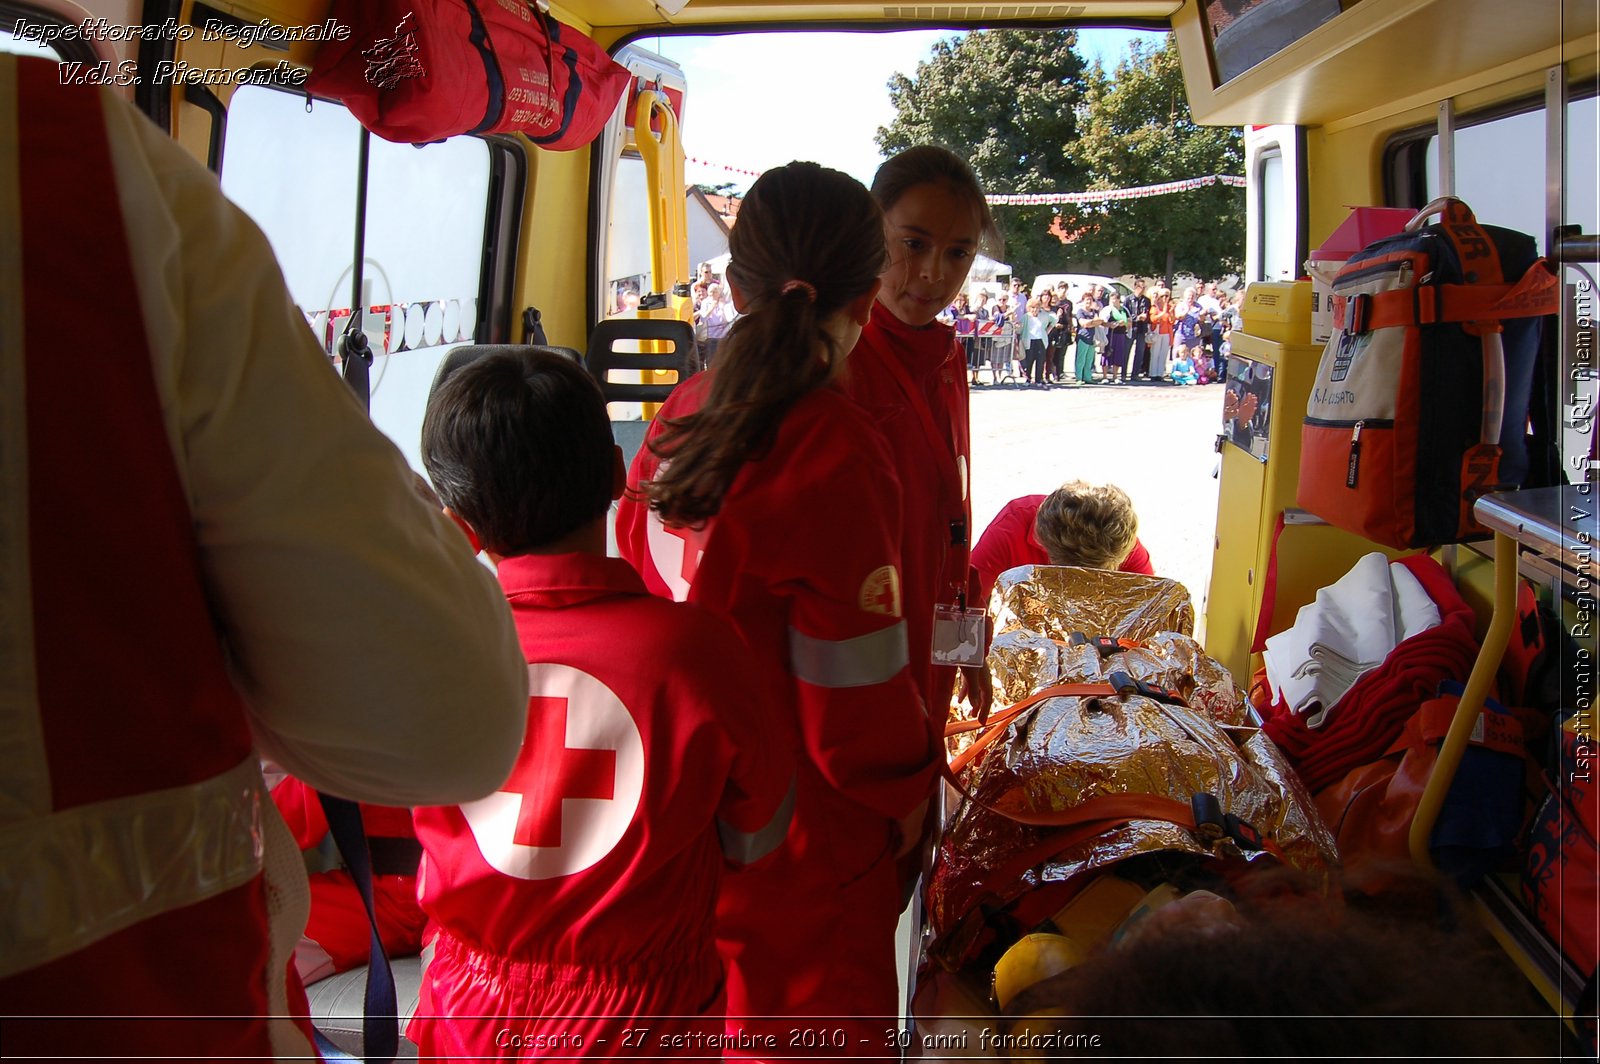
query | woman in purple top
[1118, 341]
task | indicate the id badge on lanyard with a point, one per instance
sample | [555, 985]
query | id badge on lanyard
[958, 635]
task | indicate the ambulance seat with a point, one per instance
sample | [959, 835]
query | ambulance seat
[680, 358]
[337, 1003]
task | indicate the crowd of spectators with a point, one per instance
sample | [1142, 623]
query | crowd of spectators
[714, 312]
[1146, 336]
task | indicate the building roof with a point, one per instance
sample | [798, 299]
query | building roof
[726, 207]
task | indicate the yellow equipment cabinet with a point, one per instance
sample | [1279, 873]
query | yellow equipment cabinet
[1269, 382]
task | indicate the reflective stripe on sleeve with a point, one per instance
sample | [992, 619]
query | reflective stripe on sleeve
[72, 878]
[748, 847]
[859, 662]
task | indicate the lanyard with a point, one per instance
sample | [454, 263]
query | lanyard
[950, 473]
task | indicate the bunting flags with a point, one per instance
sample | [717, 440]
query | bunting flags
[1107, 195]
[1103, 195]
[721, 166]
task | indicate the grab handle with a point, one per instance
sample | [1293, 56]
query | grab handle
[1455, 211]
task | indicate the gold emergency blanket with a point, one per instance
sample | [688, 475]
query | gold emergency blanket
[1066, 750]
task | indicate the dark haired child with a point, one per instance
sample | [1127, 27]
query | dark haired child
[766, 494]
[905, 371]
[582, 894]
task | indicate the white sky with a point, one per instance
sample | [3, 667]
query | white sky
[761, 100]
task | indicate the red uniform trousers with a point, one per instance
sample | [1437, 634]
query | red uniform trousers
[535, 1010]
[810, 936]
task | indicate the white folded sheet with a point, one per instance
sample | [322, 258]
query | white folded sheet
[1348, 630]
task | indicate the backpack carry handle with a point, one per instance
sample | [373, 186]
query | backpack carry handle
[1455, 212]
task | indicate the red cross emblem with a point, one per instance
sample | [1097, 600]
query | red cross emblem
[694, 544]
[675, 552]
[548, 773]
[576, 786]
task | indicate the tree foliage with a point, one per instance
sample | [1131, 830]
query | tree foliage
[1137, 130]
[1007, 101]
[1032, 116]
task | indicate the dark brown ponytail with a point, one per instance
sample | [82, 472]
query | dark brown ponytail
[809, 241]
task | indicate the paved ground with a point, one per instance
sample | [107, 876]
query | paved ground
[1155, 441]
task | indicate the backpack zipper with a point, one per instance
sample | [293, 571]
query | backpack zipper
[1353, 466]
[1356, 276]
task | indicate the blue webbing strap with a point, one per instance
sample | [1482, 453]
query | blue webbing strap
[380, 1024]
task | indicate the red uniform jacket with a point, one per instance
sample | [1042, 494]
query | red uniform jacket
[804, 558]
[913, 384]
[1009, 541]
[587, 885]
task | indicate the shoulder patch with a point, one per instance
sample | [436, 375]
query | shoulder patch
[880, 591]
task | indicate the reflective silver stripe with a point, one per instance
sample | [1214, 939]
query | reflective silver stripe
[69, 879]
[748, 847]
[858, 662]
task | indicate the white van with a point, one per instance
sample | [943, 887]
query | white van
[1077, 282]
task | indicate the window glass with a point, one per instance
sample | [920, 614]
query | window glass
[297, 174]
[1277, 222]
[1583, 152]
[425, 229]
[294, 172]
[10, 42]
[1583, 209]
[1514, 197]
[1509, 196]
[1245, 33]
[627, 238]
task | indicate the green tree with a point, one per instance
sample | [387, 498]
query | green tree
[1136, 129]
[1007, 101]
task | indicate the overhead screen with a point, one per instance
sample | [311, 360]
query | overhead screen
[1245, 33]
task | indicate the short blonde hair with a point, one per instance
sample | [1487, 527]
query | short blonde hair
[1087, 525]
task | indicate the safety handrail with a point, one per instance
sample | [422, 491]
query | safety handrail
[1472, 699]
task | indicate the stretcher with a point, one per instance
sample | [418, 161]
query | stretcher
[1124, 769]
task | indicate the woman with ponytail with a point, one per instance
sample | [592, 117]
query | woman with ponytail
[765, 494]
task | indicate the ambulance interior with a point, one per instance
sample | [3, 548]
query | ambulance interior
[1370, 103]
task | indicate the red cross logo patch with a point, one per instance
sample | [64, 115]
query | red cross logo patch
[575, 787]
[676, 553]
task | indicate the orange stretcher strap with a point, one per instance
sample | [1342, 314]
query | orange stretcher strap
[997, 722]
[1099, 814]
[1095, 817]
[1103, 812]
